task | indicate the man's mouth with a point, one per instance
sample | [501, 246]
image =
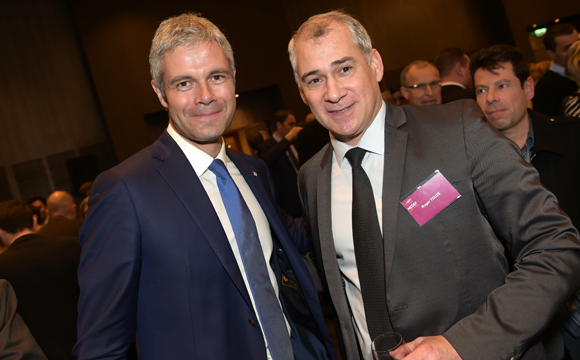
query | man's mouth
[340, 111]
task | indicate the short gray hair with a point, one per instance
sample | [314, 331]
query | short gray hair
[417, 63]
[319, 25]
[188, 30]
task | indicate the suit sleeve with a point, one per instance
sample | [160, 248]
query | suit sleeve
[109, 272]
[541, 239]
[16, 342]
[271, 150]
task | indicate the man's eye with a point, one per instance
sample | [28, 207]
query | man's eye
[502, 86]
[183, 85]
[218, 78]
[345, 69]
[480, 91]
[313, 81]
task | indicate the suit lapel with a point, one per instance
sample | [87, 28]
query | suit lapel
[395, 152]
[180, 176]
[324, 215]
[328, 254]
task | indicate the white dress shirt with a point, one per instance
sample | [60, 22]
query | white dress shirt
[200, 161]
[373, 140]
[453, 83]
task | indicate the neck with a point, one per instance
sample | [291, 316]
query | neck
[519, 133]
[10, 238]
[66, 215]
[212, 148]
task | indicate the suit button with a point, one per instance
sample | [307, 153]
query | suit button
[252, 322]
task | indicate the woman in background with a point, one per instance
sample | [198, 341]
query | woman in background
[571, 104]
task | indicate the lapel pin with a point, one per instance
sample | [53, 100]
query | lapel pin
[255, 173]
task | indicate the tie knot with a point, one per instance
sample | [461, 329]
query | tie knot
[219, 169]
[355, 156]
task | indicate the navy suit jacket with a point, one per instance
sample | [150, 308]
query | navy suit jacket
[156, 265]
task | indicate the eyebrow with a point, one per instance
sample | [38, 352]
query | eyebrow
[335, 63]
[181, 78]
[341, 61]
[495, 83]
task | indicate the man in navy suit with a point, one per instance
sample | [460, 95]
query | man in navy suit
[161, 261]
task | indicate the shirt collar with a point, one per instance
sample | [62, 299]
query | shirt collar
[199, 160]
[527, 149]
[453, 83]
[373, 140]
[561, 70]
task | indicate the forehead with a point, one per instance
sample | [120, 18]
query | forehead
[199, 55]
[504, 71]
[567, 39]
[417, 73]
[335, 44]
[37, 203]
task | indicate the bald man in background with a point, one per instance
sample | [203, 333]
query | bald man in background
[62, 216]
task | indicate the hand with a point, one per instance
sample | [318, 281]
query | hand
[431, 348]
[293, 133]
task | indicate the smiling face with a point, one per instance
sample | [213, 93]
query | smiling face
[338, 84]
[503, 99]
[200, 94]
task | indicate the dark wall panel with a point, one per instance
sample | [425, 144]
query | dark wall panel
[32, 179]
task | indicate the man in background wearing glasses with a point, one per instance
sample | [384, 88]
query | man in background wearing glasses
[421, 83]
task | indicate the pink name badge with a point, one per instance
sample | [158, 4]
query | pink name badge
[429, 198]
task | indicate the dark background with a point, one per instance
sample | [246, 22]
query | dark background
[74, 75]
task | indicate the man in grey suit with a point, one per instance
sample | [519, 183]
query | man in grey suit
[451, 197]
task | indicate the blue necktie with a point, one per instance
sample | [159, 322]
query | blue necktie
[269, 311]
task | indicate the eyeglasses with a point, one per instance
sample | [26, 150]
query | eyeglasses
[423, 87]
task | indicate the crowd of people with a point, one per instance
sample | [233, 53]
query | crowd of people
[38, 265]
[449, 221]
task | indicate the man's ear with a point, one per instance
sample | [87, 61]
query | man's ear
[159, 94]
[3, 237]
[405, 92]
[377, 64]
[551, 54]
[530, 88]
[304, 100]
[459, 69]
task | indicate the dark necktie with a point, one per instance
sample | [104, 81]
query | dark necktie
[269, 311]
[293, 158]
[368, 247]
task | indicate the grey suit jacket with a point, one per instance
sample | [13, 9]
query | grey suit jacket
[16, 342]
[451, 275]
